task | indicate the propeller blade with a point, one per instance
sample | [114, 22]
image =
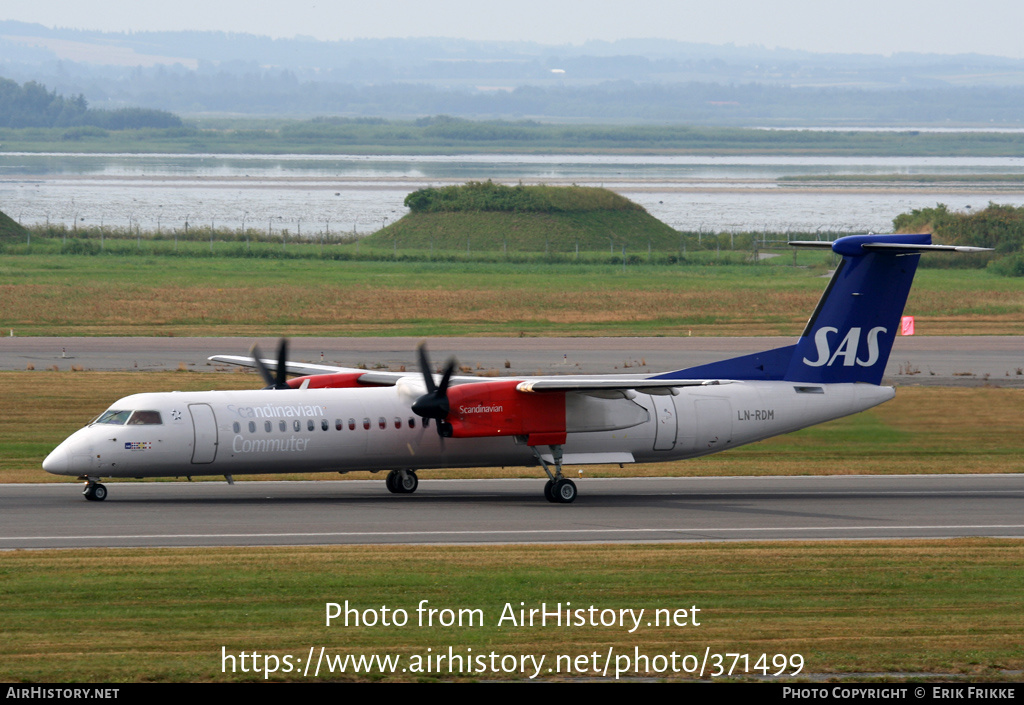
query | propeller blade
[279, 380]
[282, 365]
[446, 377]
[258, 359]
[434, 404]
[421, 350]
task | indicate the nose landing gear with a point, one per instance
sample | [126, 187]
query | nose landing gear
[94, 491]
[402, 481]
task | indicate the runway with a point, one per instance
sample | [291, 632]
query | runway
[513, 511]
[918, 360]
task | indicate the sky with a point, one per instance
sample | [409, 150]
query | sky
[862, 26]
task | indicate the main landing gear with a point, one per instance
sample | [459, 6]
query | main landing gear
[94, 491]
[558, 489]
[402, 481]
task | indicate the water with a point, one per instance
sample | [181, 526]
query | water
[313, 194]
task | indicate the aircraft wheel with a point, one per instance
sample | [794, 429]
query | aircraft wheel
[407, 482]
[549, 493]
[391, 482]
[95, 492]
[564, 491]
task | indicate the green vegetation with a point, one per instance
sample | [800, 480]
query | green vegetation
[886, 607]
[526, 219]
[10, 231]
[126, 293]
[484, 237]
[446, 135]
[598, 235]
[996, 226]
[487, 196]
[32, 106]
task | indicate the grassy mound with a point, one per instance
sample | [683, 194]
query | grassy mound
[488, 196]
[9, 229]
[488, 216]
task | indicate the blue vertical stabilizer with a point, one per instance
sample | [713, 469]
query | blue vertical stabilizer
[851, 332]
[850, 335]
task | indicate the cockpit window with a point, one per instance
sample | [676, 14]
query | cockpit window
[114, 417]
[145, 418]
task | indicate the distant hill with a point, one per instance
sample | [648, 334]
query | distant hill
[487, 216]
[641, 81]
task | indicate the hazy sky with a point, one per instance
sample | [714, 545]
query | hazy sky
[860, 26]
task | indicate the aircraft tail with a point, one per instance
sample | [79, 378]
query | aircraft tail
[851, 332]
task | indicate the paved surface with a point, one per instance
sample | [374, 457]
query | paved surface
[512, 511]
[974, 360]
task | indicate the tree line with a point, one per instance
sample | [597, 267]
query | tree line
[32, 105]
[488, 196]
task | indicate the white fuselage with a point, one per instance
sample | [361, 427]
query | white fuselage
[342, 430]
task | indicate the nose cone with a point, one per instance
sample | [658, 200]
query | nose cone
[58, 462]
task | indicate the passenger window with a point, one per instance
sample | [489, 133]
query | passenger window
[252, 427]
[297, 426]
[382, 422]
[412, 422]
[366, 423]
[337, 424]
[309, 425]
[351, 424]
[283, 426]
[324, 425]
[398, 422]
[268, 426]
[235, 427]
[426, 423]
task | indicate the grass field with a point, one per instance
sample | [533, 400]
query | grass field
[927, 607]
[181, 296]
[914, 433]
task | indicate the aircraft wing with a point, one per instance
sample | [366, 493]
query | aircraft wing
[611, 384]
[568, 383]
[302, 369]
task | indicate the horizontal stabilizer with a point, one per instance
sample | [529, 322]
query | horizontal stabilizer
[857, 245]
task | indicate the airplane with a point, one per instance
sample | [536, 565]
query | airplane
[335, 419]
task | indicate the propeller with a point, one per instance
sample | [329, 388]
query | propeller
[280, 380]
[434, 404]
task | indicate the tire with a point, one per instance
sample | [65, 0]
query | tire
[564, 491]
[407, 483]
[549, 491]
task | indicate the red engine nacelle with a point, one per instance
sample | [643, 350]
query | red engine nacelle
[339, 380]
[497, 409]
